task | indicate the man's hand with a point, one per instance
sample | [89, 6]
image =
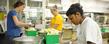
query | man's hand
[88, 42]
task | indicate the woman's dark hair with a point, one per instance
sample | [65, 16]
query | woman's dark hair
[18, 3]
[75, 8]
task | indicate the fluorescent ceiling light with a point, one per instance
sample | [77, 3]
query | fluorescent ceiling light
[105, 0]
[35, 0]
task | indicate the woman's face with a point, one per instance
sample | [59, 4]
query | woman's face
[21, 8]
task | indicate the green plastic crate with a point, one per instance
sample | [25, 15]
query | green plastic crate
[104, 29]
[52, 39]
[31, 33]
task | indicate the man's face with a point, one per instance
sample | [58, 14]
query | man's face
[75, 18]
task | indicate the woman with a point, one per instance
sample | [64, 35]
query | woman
[57, 21]
[13, 23]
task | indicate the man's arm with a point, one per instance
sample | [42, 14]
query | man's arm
[88, 42]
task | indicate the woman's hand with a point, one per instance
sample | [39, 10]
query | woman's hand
[29, 25]
[56, 25]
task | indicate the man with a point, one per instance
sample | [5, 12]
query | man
[88, 31]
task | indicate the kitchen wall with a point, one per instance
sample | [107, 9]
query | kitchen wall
[95, 6]
[100, 6]
[66, 4]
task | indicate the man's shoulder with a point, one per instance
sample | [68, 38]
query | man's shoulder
[89, 22]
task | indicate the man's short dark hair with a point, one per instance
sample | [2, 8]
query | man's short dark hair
[75, 8]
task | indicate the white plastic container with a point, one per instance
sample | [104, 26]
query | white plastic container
[25, 40]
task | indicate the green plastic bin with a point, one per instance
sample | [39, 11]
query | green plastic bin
[52, 39]
[31, 33]
[104, 29]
